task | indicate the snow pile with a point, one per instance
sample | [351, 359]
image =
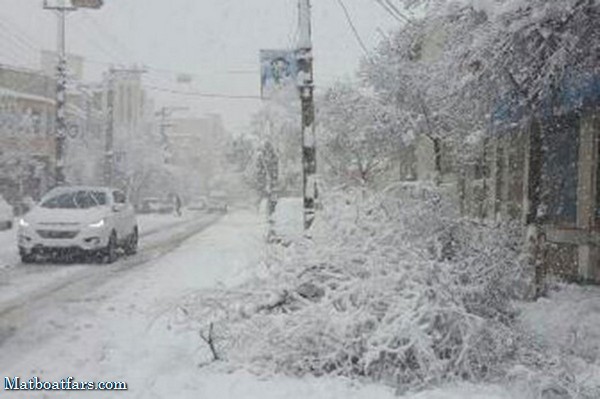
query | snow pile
[566, 327]
[393, 287]
[288, 219]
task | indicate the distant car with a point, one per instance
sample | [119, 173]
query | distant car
[198, 204]
[217, 202]
[76, 221]
[6, 215]
[156, 205]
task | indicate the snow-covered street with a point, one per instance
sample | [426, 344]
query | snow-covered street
[117, 326]
[300, 199]
[20, 283]
[107, 321]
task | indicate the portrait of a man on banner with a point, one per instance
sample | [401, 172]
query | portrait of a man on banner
[278, 70]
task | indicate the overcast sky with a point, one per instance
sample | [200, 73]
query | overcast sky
[215, 40]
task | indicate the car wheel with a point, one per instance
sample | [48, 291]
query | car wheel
[110, 252]
[132, 243]
[27, 258]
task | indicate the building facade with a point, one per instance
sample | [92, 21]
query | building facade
[27, 148]
[197, 147]
[543, 169]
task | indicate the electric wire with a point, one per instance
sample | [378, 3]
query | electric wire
[204, 95]
[118, 45]
[97, 43]
[15, 29]
[388, 10]
[397, 11]
[353, 28]
[12, 47]
[23, 45]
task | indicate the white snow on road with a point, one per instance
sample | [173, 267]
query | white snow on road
[148, 223]
[18, 280]
[119, 331]
[8, 248]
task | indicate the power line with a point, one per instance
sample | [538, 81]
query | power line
[229, 72]
[204, 95]
[21, 43]
[17, 30]
[163, 71]
[114, 52]
[10, 44]
[293, 35]
[354, 30]
[396, 10]
[389, 10]
[16, 38]
[91, 39]
[124, 50]
[13, 46]
[119, 46]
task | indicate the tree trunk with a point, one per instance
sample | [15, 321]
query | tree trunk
[437, 143]
[437, 153]
[535, 234]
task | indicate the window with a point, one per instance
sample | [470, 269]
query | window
[560, 169]
[75, 200]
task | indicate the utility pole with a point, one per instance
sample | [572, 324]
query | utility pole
[61, 90]
[109, 133]
[62, 7]
[306, 87]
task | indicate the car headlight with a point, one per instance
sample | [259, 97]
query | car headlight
[23, 223]
[98, 224]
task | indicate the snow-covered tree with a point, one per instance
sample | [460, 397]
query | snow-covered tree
[451, 66]
[278, 123]
[359, 135]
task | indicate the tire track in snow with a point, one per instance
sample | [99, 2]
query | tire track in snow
[83, 281]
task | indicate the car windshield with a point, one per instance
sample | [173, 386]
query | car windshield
[81, 199]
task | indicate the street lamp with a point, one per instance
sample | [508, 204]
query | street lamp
[61, 7]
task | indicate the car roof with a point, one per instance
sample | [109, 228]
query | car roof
[84, 188]
[68, 189]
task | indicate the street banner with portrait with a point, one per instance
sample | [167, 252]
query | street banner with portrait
[278, 70]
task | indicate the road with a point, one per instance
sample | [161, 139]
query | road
[27, 285]
[113, 322]
[31, 292]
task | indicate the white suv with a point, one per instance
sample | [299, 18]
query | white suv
[79, 220]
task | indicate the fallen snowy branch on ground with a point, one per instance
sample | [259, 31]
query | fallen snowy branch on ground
[394, 288]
